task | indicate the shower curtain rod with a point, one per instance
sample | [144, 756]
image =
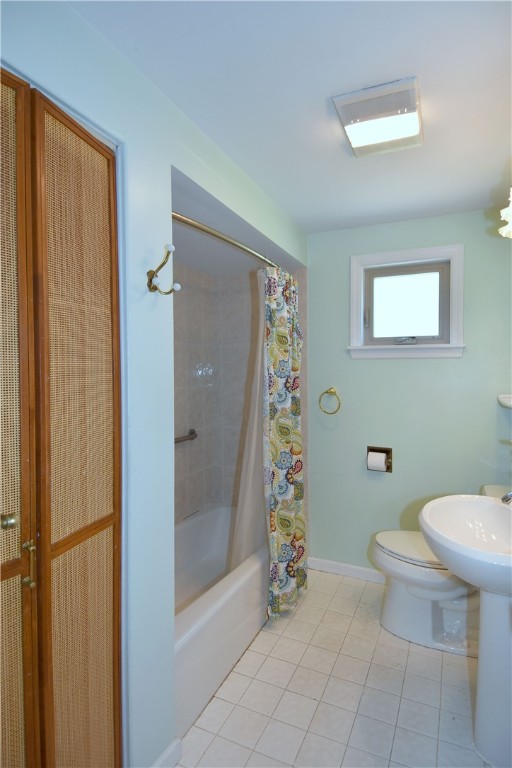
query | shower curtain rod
[220, 236]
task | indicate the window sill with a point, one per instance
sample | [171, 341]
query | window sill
[406, 350]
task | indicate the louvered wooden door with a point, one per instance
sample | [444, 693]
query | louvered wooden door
[75, 431]
[18, 638]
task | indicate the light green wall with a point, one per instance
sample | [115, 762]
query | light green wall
[51, 46]
[446, 408]
[440, 417]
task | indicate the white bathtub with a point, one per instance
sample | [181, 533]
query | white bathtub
[213, 630]
[200, 553]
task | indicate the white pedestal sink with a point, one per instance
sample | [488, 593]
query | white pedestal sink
[472, 536]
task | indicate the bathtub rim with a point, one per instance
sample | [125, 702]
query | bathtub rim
[204, 607]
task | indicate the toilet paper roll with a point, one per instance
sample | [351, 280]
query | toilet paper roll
[376, 461]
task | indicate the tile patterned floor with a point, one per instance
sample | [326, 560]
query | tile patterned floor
[327, 686]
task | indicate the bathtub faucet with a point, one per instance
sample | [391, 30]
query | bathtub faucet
[507, 498]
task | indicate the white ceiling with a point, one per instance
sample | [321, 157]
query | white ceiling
[258, 78]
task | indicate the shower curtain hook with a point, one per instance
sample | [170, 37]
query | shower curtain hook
[153, 273]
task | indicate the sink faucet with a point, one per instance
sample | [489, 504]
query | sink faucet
[507, 498]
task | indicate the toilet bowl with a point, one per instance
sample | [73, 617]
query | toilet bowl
[424, 602]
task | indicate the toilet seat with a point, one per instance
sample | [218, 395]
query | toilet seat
[408, 546]
[424, 602]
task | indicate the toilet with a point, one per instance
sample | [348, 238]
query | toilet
[424, 602]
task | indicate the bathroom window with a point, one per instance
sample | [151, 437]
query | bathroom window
[407, 303]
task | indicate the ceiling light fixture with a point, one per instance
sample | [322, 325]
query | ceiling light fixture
[382, 118]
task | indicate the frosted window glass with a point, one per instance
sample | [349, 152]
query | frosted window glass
[406, 305]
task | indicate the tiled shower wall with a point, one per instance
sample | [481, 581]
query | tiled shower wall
[215, 325]
[214, 322]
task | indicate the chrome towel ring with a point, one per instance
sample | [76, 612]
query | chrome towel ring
[331, 392]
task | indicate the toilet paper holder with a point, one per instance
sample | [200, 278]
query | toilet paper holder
[388, 458]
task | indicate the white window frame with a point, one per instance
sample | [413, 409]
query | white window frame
[454, 254]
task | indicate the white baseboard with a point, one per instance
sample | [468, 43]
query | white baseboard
[171, 756]
[345, 569]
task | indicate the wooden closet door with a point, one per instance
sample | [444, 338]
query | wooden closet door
[78, 440]
[18, 690]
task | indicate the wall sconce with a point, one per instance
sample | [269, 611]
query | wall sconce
[506, 215]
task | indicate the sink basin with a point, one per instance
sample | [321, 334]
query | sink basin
[472, 536]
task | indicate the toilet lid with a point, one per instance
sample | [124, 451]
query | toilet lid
[409, 546]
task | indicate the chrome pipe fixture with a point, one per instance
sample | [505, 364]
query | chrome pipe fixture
[221, 236]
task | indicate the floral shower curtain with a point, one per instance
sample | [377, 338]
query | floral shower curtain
[282, 441]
